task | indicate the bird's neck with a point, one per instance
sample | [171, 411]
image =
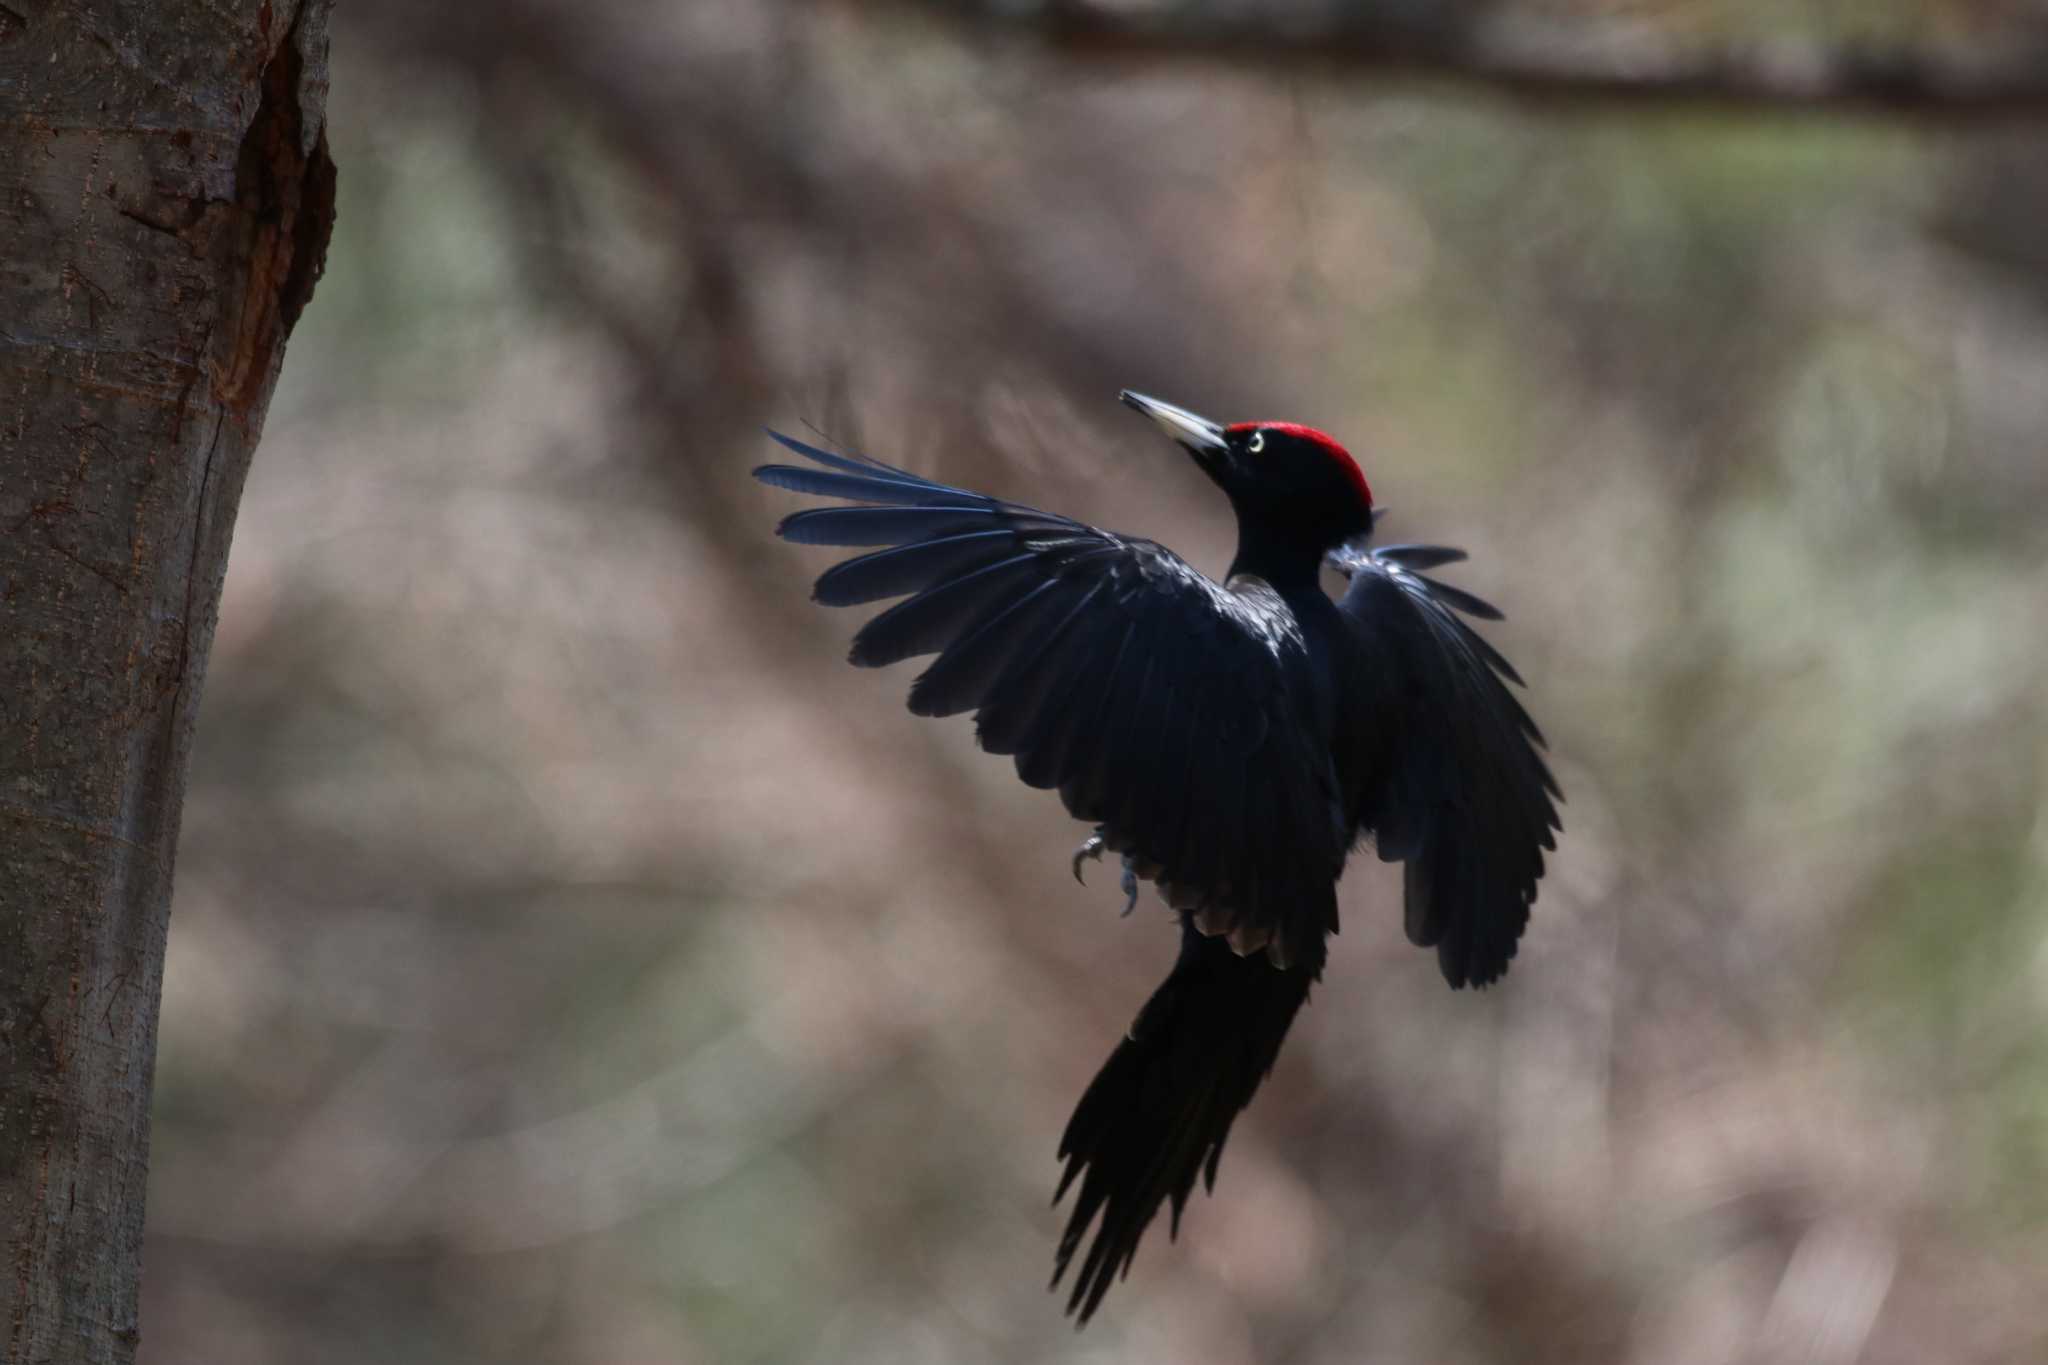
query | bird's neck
[1284, 557]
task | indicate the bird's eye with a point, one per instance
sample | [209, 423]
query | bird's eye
[1257, 443]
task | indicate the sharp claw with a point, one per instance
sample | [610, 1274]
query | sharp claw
[1130, 886]
[1091, 847]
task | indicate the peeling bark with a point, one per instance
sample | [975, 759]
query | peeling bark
[165, 201]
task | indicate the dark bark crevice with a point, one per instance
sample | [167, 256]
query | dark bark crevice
[283, 214]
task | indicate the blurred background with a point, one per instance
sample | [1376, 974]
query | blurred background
[573, 960]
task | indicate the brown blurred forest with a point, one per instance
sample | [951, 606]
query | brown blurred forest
[573, 960]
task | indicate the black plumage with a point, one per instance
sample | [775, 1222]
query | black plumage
[1232, 741]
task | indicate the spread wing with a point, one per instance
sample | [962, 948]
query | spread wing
[1159, 703]
[1463, 797]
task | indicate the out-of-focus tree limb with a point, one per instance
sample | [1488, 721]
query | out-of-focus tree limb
[1604, 62]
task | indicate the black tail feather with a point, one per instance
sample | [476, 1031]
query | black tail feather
[1160, 1110]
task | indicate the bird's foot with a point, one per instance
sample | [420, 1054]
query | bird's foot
[1091, 847]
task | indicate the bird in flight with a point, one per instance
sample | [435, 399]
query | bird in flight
[1231, 742]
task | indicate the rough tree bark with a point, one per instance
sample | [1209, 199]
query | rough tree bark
[165, 200]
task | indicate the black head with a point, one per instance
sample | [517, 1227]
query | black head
[1297, 493]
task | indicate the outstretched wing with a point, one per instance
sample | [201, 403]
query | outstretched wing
[1462, 796]
[1159, 703]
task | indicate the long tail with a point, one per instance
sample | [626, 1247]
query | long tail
[1159, 1111]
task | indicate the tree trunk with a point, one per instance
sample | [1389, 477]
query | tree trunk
[165, 200]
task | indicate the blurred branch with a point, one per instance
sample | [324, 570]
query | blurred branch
[1612, 62]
